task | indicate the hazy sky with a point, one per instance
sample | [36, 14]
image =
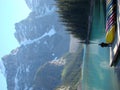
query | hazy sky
[11, 11]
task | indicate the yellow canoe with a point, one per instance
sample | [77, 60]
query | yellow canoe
[110, 35]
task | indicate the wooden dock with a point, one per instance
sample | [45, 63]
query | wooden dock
[115, 49]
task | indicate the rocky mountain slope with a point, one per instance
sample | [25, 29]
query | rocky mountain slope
[42, 39]
[47, 53]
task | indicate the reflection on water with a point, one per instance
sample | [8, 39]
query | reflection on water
[96, 72]
[105, 65]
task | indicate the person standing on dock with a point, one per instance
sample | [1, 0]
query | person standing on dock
[104, 44]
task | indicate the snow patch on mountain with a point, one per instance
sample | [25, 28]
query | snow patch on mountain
[50, 33]
[58, 62]
[15, 51]
[16, 79]
[28, 69]
[32, 3]
[53, 54]
[46, 10]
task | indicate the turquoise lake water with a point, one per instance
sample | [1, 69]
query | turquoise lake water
[96, 73]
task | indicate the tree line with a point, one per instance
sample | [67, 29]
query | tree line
[74, 14]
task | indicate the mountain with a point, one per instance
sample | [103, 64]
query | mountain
[39, 63]
[42, 38]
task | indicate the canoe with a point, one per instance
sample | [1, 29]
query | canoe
[110, 20]
[110, 34]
